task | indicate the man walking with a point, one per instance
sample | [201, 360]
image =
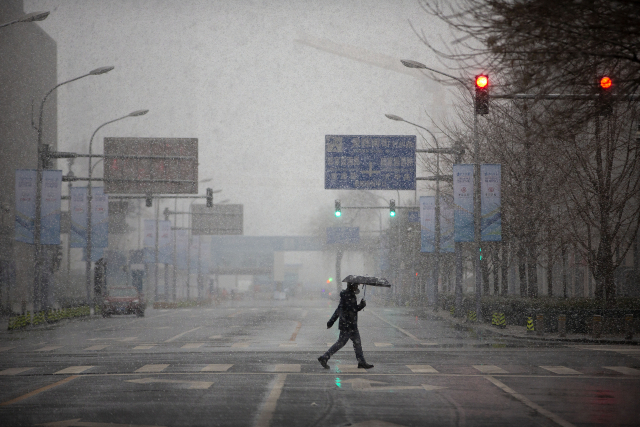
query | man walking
[348, 312]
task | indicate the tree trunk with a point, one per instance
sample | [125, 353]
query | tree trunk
[484, 269]
[549, 269]
[522, 271]
[563, 251]
[495, 256]
[505, 271]
[532, 265]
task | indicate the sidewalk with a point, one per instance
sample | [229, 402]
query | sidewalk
[520, 332]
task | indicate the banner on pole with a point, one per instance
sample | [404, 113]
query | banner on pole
[165, 242]
[491, 222]
[447, 244]
[25, 204]
[463, 201]
[182, 245]
[427, 223]
[193, 254]
[50, 207]
[149, 233]
[99, 218]
[78, 217]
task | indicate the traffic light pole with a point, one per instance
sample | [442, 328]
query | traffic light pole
[476, 214]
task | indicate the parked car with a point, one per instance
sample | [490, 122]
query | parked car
[126, 300]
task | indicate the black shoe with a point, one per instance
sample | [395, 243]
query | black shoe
[323, 362]
[364, 365]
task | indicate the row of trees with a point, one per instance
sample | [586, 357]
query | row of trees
[571, 167]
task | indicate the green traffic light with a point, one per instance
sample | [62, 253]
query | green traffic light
[338, 214]
[480, 250]
[392, 213]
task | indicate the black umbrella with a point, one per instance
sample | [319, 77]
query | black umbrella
[367, 280]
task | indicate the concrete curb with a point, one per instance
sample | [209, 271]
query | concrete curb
[510, 331]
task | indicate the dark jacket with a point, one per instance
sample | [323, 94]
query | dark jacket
[347, 311]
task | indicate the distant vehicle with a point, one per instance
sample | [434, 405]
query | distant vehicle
[126, 300]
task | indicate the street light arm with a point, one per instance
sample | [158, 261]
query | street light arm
[400, 119]
[30, 17]
[415, 64]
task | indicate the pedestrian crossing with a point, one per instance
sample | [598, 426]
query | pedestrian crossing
[314, 368]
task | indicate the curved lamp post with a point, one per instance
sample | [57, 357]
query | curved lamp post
[88, 250]
[29, 17]
[37, 278]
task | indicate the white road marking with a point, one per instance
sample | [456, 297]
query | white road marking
[350, 369]
[193, 345]
[215, 337]
[96, 347]
[73, 370]
[287, 368]
[216, 368]
[288, 344]
[240, 344]
[14, 371]
[194, 385]
[363, 384]
[5, 348]
[382, 344]
[409, 334]
[128, 339]
[553, 417]
[144, 347]
[422, 369]
[428, 343]
[561, 370]
[49, 348]
[624, 370]
[490, 369]
[184, 333]
[79, 423]
[269, 407]
[152, 368]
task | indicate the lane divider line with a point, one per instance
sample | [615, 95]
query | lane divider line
[553, 417]
[409, 334]
[295, 333]
[269, 407]
[184, 333]
[40, 390]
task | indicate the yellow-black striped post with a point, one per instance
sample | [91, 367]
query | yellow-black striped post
[494, 319]
[472, 316]
[502, 321]
[530, 327]
[452, 310]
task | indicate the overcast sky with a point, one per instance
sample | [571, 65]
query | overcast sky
[233, 74]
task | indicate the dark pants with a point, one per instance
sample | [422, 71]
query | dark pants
[345, 336]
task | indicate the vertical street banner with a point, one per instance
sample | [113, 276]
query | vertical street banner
[78, 217]
[99, 218]
[25, 204]
[491, 222]
[463, 201]
[193, 254]
[182, 245]
[427, 223]
[447, 244]
[149, 241]
[165, 242]
[50, 207]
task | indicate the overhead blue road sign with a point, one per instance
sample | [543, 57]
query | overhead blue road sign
[370, 162]
[343, 235]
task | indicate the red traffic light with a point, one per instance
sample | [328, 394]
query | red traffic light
[605, 82]
[482, 81]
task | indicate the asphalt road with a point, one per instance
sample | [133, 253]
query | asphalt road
[253, 363]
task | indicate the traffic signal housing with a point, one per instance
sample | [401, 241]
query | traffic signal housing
[392, 208]
[209, 197]
[482, 94]
[338, 211]
[148, 200]
[604, 102]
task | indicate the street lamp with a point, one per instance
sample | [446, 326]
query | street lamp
[37, 277]
[29, 17]
[88, 263]
[476, 193]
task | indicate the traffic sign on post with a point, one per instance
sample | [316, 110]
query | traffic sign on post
[370, 162]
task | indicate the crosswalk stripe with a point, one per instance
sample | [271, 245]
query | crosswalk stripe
[382, 344]
[490, 369]
[215, 337]
[152, 368]
[144, 347]
[193, 345]
[240, 344]
[96, 347]
[49, 348]
[287, 368]
[74, 370]
[288, 344]
[351, 369]
[216, 368]
[5, 348]
[561, 370]
[422, 369]
[624, 370]
[14, 371]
